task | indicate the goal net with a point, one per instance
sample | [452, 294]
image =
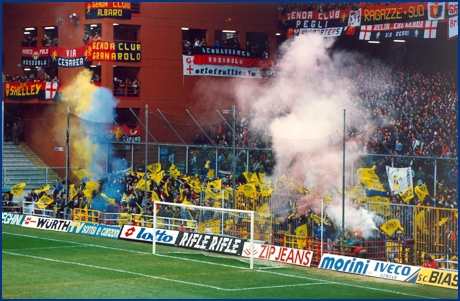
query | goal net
[209, 230]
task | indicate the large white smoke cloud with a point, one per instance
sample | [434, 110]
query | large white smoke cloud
[303, 111]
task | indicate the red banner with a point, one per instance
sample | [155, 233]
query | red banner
[69, 57]
[131, 132]
[204, 59]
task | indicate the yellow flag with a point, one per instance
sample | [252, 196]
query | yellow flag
[173, 171]
[17, 189]
[443, 221]
[82, 173]
[141, 184]
[196, 185]
[251, 177]
[420, 219]
[72, 191]
[390, 226]
[118, 133]
[157, 177]
[46, 188]
[210, 174]
[111, 201]
[43, 201]
[165, 188]
[154, 168]
[407, 195]
[421, 191]
[301, 232]
[216, 184]
[247, 189]
[155, 196]
[265, 190]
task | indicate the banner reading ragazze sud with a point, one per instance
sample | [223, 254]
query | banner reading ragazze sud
[192, 69]
[279, 254]
[400, 179]
[368, 267]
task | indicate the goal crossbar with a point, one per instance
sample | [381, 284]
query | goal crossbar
[204, 216]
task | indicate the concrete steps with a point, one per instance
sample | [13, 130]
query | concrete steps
[21, 165]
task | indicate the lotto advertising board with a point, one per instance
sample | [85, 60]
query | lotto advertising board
[15, 219]
[211, 243]
[162, 236]
[368, 267]
[279, 254]
[95, 229]
[44, 223]
[440, 278]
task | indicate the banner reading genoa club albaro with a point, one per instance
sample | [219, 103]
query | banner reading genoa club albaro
[192, 69]
[117, 10]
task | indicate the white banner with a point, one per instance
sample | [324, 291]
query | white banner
[452, 27]
[452, 8]
[368, 267]
[436, 11]
[191, 69]
[400, 179]
[162, 236]
[279, 254]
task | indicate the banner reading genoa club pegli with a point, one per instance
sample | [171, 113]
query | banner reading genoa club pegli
[31, 90]
[114, 51]
[35, 56]
[69, 57]
[192, 69]
[117, 10]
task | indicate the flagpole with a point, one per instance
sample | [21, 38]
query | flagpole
[67, 159]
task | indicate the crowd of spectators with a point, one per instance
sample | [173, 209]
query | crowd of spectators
[32, 41]
[30, 78]
[126, 87]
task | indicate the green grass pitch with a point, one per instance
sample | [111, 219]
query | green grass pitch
[39, 264]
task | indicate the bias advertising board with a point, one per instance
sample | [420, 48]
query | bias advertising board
[440, 278]
[368, 267]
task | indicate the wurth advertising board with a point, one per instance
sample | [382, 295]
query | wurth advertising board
[162, 236]
[45, 223]
[368, 267]
[279, 254]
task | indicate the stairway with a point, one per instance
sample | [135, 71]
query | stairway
[21, 165]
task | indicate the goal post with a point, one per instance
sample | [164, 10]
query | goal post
[205, 228]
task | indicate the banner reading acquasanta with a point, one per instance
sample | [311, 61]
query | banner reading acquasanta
[114, 51]
[117, 10]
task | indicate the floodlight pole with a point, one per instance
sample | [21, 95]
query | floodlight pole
[343, 174]
[233, 160]
[67, 158]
